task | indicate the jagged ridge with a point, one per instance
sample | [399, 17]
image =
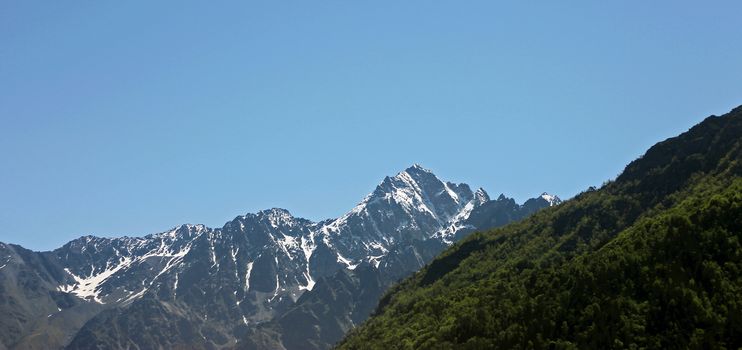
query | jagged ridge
[255, 269]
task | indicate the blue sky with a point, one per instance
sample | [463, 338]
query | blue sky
[127, 118]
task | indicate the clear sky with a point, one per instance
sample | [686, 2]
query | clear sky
[130, 117]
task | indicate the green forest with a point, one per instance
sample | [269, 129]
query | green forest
[650, 260]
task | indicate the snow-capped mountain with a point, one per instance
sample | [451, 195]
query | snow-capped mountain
[551, 199]
[237, 285]
[413, 205]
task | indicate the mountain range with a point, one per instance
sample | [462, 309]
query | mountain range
[266, 280]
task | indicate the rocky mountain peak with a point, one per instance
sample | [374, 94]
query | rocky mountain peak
[551, 199]
[481, 196]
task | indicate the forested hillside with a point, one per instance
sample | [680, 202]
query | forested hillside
[652, 259]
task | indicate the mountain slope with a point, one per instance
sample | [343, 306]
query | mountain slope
[260, 279]
[652, 260]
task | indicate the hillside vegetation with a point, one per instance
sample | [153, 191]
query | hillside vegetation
[650, 260]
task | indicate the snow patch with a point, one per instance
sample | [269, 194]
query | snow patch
[451, 193]
[375, 260]
[551, 199]
[348, 264]
[247, 275]
[288, 242]
[308, 246]
[275, 294]
[86, 287]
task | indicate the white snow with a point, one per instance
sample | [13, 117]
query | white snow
[213, 254]
[310, 281]
[455, 224]
[379, 246]
[175, 286]
[86, 287]
[375, 260]
[173, 260]
[234, 260]
[308, 246]
[553, 200]
[451, 192]
[247, 275]
[287, 242]
[343, 260]
[275, 294]
[410, 197]
[348, 264]
[404, 191]
[136, 296]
